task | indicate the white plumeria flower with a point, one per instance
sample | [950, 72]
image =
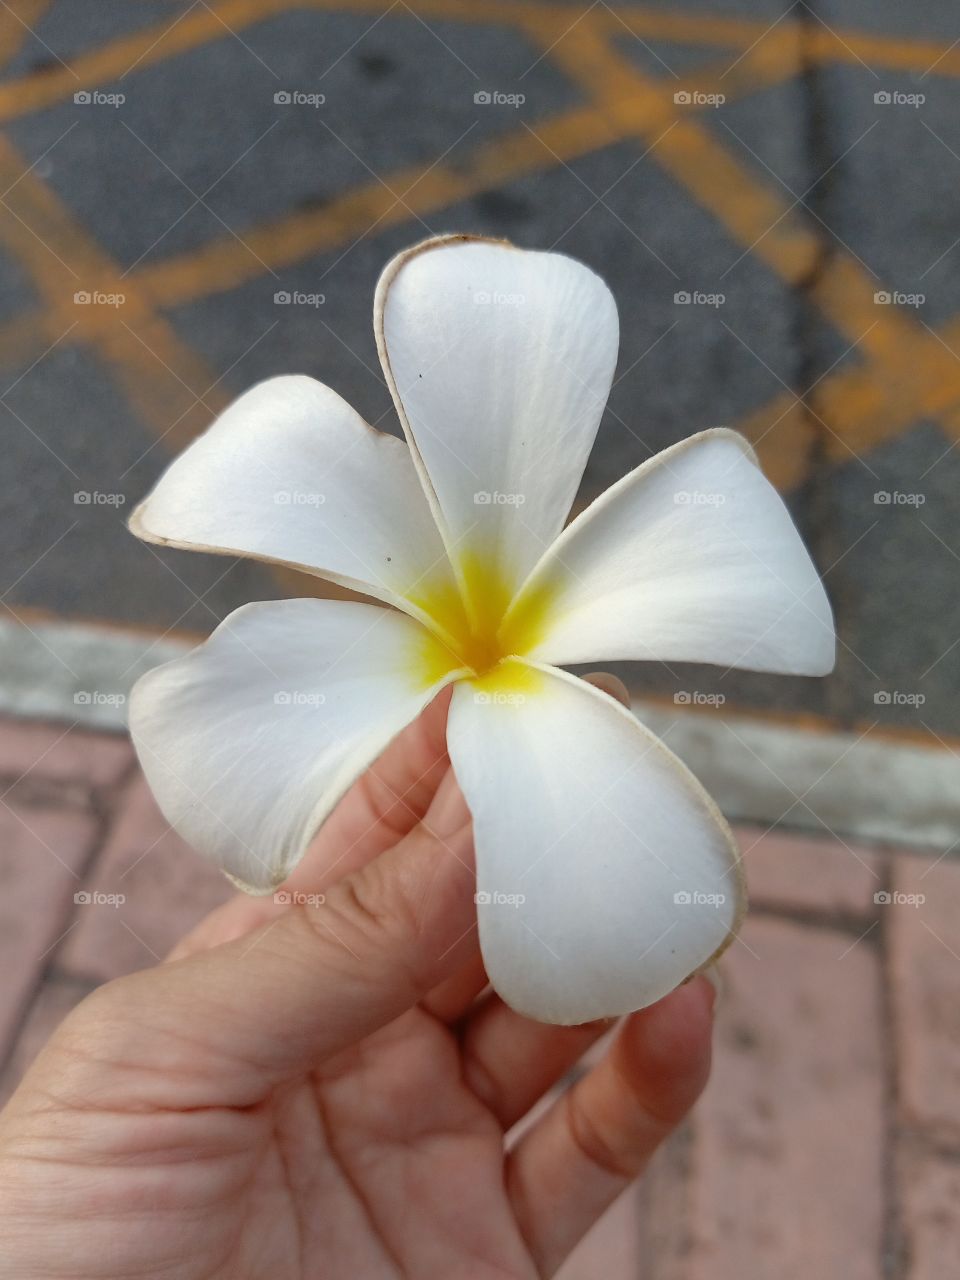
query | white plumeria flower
[605, 873]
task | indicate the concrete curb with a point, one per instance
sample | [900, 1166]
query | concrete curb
[74, 672]
[825, 782]
[830, 783]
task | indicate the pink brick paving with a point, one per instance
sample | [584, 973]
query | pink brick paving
[828, 1142]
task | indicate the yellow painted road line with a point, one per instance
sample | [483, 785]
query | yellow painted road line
[15, 27]
[160, 376]
[904, 358]
[861, 406]
[864, 404]
[26, 336]
[222, 263]
[169, 387]
[208, 23]
[211, 22]
[873, 403]
[626, 97]
[894, 53]
[754, 212]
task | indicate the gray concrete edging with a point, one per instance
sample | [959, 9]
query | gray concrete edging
[822, 781]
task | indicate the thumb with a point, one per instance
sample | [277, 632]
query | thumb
[223, 1026]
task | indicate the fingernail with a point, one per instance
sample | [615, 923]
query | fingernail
[606, 682]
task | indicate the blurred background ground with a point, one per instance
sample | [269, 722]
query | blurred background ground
[167, 171]
[800, 162]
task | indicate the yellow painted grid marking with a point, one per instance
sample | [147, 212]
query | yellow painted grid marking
[903, 372]
[625, 104]
[212, 22]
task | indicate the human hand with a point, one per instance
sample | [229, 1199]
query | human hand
[324, 1088]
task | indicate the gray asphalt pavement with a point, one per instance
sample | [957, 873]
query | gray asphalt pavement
[803, 193]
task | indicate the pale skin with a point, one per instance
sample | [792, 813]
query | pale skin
[314, 1091]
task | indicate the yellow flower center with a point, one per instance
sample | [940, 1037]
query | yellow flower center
[471, 626]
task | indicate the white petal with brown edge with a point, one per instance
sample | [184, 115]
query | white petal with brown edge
[605, 873]
[290, 473]
[249, 741]
[500, 362]
[692, 557]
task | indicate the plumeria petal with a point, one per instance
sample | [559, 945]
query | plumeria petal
[691, 557]
[249, 741]
[500, 362]
[605, 873]
[290, 473]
